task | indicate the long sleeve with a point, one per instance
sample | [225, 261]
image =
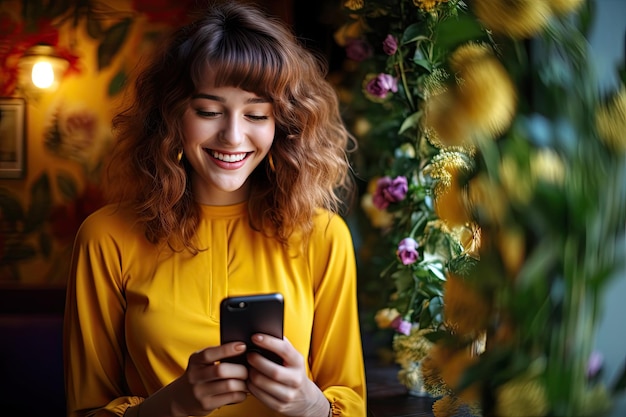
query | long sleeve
[94, 326]
[336, 350]
[134, 312]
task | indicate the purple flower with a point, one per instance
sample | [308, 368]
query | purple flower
[401, 326]
[381, 85]
[390, 45]
[358, 50]
[407, 251]
[594, 366]
[390, 191]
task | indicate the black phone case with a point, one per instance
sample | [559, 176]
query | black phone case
[243, 316]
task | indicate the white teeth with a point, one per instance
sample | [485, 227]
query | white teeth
[228, 157]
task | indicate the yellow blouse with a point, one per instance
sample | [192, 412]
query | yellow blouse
[135, 312]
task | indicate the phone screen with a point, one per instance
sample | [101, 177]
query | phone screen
[243, 316]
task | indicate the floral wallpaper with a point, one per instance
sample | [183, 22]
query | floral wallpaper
[68, 131]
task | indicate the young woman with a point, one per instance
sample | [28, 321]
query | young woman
[224, 181]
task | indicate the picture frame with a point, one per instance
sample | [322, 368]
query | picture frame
[12, 137]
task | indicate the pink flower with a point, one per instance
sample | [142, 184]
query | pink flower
[390, 191]
[407, 251]
[381, 85]
[401, 326]
[358, 49]
[390, 45]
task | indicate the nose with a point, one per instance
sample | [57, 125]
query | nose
[232, 131]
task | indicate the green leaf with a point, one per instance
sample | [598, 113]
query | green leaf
[410, 122]
[413, 33]
[435, 306]
[67, 186]
[40, 206]
[424, 63]
[117, 83]
[114, 38]
[403, 279]
[10, 207]
[436, 270]
[455, 31]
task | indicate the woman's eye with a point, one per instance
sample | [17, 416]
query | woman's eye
[207, 113]
[257, 118]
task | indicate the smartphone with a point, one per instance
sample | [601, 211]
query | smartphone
[243, 316]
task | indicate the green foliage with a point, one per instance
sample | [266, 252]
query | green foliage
[553, 213]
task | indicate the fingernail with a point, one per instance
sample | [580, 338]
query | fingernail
[258, 337]
[240, 347]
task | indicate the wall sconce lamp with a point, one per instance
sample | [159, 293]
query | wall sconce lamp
[41, 69]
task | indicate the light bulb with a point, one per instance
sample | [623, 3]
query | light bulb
[43, 74]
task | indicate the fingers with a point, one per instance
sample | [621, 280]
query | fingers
[204, 367]
[213, 354]
[282, 347]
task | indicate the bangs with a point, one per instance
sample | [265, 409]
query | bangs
[250, 63]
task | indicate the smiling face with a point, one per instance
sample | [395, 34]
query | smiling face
[227, 133]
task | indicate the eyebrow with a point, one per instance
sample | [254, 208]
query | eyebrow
[251, 100]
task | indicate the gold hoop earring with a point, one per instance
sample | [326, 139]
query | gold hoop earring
[179, 156]
[270, 160]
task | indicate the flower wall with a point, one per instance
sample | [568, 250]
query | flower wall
[496, 184]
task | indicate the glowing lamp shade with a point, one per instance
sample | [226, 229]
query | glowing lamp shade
[41, 68]
[43, 74]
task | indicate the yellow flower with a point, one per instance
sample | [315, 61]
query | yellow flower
[485, 91]
[361, 126]
[431, 377]
[351, 30]
[452, 373]
[521, 397]
[611, 122]
[447, 406]
[481, 102]
[444, 125]
[464, 306]
[487, 199]
[409, 375]
[452, 205]
[516, 185]
[546, 165]
[427, 5]
[514, 18]
[354, 4]
[412, 347]
[470, 237]
[512, 245]
[564, 6]
[445, 167]
[385, 316]
[435, 83]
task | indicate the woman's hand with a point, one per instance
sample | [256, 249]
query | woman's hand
[287, 388]
[204, 386]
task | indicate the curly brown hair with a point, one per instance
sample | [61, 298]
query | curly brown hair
[240, 46]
